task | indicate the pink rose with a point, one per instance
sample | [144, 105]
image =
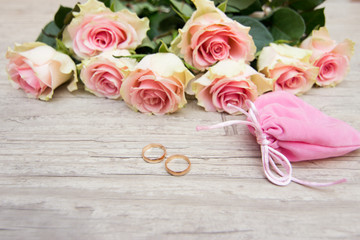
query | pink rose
[289, 67]
[331, 58]
[38, 69]
[96, 29]
[104, 74]
[332, 69]
[229, 82]
[157, 84]
[210, 36]
[296, 80]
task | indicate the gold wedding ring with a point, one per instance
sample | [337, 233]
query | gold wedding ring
[150, 146]
[181, 173]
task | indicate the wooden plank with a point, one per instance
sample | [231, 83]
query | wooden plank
[71, 168]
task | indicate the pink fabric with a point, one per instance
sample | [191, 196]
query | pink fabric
[300, 131]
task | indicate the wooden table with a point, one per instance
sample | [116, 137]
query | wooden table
[71, 168]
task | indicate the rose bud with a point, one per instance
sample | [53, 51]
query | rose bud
[229, 82]
[330, 57]
[96, 29]
[38, 69]
[210, 36]
[103, 74]
[157, 84]
[289, 67]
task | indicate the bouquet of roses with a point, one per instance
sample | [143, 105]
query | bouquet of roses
[154, 54]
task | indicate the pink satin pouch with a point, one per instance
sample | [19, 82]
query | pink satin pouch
[290, 130]
[300, 131]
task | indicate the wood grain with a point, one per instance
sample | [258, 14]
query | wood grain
[71, 168]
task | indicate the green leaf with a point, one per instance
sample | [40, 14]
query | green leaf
[148, 43]
[278, 3]
[60, 46]
[240, 4]
[68, 18]
[241, 7]
[313, 20]
[167, 39]
[156, 24]
[230, 9]
[146, 47]
[116, 5]
[286, 24]
[255, 6]
[60, 16]
[143, 9]
[262, 2]
[163, 24]
[222, 6]
[190, 67]
[182, 9]
[47, 40]
[48, 34]
[261, 36]
[163, 47]
[136, 56]
[305, 5]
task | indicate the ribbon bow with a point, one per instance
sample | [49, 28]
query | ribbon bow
[270, 156]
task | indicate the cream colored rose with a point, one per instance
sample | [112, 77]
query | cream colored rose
[38, 69]
[96, 29]
[103, 74]
[330, 57]
[210, 36]
[157, 85]
[289, 67]
[229, 82]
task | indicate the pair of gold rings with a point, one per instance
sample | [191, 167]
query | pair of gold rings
[169, 159]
